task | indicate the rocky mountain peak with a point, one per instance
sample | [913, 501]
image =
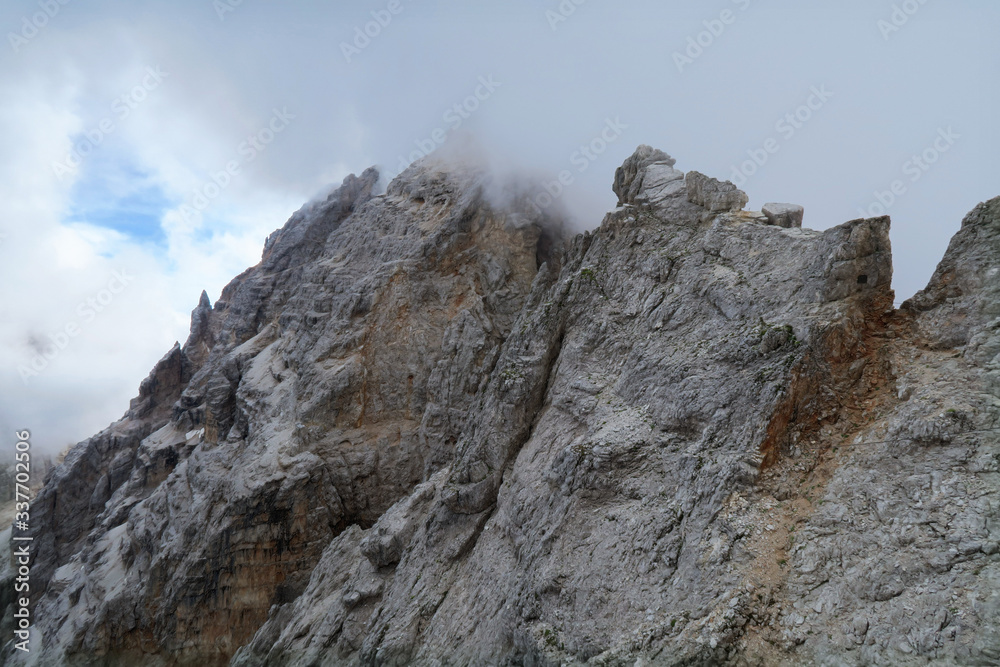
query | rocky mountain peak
[429, 428]
[963, 294]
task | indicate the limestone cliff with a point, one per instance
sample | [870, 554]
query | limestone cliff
[431, 429]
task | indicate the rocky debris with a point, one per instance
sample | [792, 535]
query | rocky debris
[714, 195]
[783, 215]
[682, 438]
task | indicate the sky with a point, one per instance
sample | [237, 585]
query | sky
[148, 148]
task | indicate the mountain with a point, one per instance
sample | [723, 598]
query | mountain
[431, 427]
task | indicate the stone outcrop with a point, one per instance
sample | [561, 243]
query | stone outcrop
[963, 296]
[427, 431]
[630, 178]
[714, 195]
[783, 215]
[897, 562]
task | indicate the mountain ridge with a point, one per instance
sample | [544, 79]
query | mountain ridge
[429, 429]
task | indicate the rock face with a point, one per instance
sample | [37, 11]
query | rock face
[714, 195]
[426, 431]
[783, 215]
[963, 296]
[630, 178]
[326, 383]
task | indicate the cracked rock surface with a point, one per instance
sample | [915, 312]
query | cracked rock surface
[430, 430]
[327, 383]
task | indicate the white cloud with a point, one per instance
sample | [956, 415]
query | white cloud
[72, 351]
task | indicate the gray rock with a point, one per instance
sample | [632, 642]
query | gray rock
[631, 176]
[783, 215]
[294, 410]
[714, 195]
[661, 183]
[384, 545]
[425, 430]
[961, 299]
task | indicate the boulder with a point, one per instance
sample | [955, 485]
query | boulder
[783, 215]
[630, 178]
[713, 194]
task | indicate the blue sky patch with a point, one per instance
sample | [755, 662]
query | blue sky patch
[121, 198]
